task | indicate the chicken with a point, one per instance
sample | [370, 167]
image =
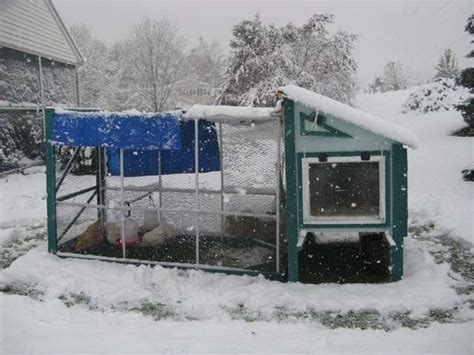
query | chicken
[159, 235]
[90, 238]
[113, 232]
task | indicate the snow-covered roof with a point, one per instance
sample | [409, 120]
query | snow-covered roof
[349, 114]
[232, 114]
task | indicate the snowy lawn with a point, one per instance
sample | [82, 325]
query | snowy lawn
[92, 306]
[82, 331]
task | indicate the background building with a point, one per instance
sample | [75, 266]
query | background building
[38, 66]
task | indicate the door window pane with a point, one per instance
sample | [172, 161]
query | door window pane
[344, 189]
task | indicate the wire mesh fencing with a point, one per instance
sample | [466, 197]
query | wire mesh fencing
[225, 219]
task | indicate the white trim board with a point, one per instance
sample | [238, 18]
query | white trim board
[309, 219]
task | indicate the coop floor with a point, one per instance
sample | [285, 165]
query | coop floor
[228, 252]
[340, 262]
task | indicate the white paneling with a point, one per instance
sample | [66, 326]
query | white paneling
[33, 26]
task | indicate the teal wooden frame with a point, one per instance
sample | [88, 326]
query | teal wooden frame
[291, 190]
[50, 182]
[396, 202]
[51, 177]
[399, 208]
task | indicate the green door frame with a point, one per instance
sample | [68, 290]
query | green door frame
[291, 190]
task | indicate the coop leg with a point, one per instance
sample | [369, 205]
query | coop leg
[397, 260]
[293, 263]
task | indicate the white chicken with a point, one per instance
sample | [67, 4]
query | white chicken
[159, 235]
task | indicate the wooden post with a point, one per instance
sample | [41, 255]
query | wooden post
[50, 182]
[399, 208]
[291, 188]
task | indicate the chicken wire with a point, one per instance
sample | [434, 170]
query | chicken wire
[222, 219]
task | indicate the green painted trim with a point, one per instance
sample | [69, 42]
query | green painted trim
[399, 208]
[330, 131]
[50, 182]
[291, 192]
[386, 224]
[51, 176]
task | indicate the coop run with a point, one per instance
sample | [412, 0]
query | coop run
[232, 189]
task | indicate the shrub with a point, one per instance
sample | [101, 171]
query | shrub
[442, 94]
[21, 136]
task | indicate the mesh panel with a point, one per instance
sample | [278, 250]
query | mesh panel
[250, 156]
[235, 228]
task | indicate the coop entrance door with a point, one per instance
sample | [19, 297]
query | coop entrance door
[343, 190]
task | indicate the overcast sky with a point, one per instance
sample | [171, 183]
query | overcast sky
[412, 31]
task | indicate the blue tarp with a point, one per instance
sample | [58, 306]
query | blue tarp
[142, 163]
[95, 129]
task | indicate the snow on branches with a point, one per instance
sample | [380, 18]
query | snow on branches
[440, 95]
[265, 57]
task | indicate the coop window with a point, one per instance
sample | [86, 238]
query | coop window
[344, 190]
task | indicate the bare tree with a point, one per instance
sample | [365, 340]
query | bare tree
[205, 62]
[154, 58]
[93, 74]
[394, 76]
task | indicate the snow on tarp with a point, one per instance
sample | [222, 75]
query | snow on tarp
[126, 130]
[351, 115]
[232, 114]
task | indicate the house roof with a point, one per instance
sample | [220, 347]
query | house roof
[35, 27]
[351, 115]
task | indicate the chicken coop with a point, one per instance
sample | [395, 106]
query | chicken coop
[346, 179]
[233, 189]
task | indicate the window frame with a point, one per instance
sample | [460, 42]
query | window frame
[309, 219]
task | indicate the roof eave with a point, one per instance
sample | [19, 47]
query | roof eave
[70, 40]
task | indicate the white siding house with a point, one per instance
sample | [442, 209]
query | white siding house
[38, 67]
[34, 27]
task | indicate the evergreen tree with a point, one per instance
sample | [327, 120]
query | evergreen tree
[466, 79]
[470, 29]
[447, 66]
[264, 58]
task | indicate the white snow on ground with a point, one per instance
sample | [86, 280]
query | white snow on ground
[201, 295]
[23, 199]
[205, 312]
[52, 328]
[436, 190]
